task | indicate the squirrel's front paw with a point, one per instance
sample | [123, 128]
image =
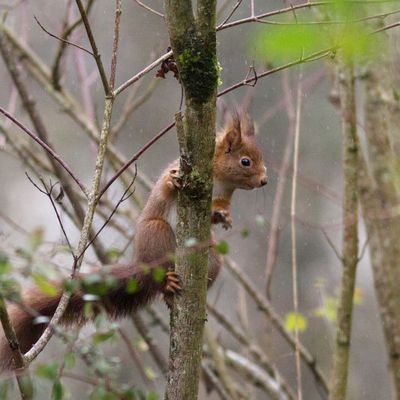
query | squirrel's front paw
[222, 217]
[174, 180]
[172, 287]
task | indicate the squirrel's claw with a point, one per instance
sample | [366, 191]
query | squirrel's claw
[172, 287]
[222, 217]
[173, 283]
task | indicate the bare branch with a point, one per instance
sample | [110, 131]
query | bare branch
[49, 193]
[283, 170]
[22, 372]
[63, 40]
[117, 21]
[64, 35]
[135, 158]
[149, 8]
[100, 66]
[46, 147]
[143, 72]
[239, 2]
[332, 245]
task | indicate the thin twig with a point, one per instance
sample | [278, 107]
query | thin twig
[63, 40]
[100, 66]
[293, 231]
[259, 18]
[49, 193]
[135, 158]
[125, 196]
[143, 72]
[332, 245]
[239, 2]
[64, 35]
[283, 171]
[138, 2]
[46, 147]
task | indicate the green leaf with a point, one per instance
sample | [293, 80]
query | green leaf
[222, 247]
[57, 392]
[159, 274]
[44, 285]
[48, 371]
[4, 264]
[300, 37]
[152, 396]
[88, 311]
[293, 319]
[132, 286]
[102, 337]
[291, 42]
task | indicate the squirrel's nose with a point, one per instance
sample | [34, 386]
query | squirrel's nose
[264, 181]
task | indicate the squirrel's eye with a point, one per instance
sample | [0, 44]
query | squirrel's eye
[245, 162]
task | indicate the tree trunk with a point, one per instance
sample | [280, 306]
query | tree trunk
[380, 196]
[193, 41]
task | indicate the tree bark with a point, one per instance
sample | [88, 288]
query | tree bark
[380, 196]
[193, 40]
[350, 147]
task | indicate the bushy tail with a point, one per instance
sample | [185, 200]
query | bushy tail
[119, 300]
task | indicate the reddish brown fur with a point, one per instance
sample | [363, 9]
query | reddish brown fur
[154, 239]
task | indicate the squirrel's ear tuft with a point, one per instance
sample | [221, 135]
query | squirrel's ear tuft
[232, 136]
[246, 125]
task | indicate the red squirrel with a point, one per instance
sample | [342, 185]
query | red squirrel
[238, 164]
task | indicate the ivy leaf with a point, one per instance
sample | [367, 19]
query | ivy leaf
[293, 319]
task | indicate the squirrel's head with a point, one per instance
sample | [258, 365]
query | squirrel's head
[238, 161]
